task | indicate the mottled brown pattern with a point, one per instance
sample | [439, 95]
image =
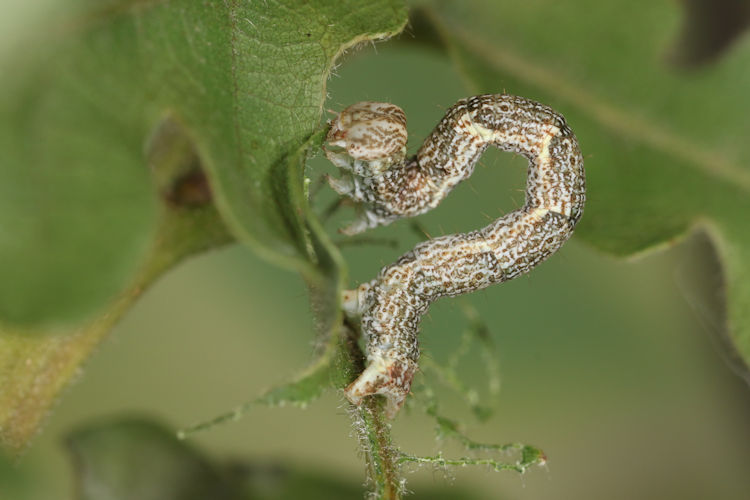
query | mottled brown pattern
[371, 139]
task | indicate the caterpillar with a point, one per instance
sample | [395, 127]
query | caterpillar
[368, 142]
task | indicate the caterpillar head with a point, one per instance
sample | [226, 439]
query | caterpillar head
[368, 137]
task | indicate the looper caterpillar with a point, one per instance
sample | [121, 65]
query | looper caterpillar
[369, 143]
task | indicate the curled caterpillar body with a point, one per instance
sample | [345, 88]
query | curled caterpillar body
[390, 186]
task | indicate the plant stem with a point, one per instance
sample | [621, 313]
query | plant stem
[373, 431]
[381, 459]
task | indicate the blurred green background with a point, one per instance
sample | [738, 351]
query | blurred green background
[615, 369]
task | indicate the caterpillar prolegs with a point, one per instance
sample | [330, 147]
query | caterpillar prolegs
[368, 141]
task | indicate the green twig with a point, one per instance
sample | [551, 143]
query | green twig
[373, 430]
[448, 429]
[382, 458]
[519, 466]
[224, 418]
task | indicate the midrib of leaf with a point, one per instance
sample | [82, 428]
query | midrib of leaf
[707, 161]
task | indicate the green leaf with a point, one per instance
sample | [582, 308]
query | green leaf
[86, 110]
[247, 79]
[666, 151]
[283, 54]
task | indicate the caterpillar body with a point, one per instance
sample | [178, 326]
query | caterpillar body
[368, 141]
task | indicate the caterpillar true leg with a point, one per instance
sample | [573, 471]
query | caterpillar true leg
[389, 186]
